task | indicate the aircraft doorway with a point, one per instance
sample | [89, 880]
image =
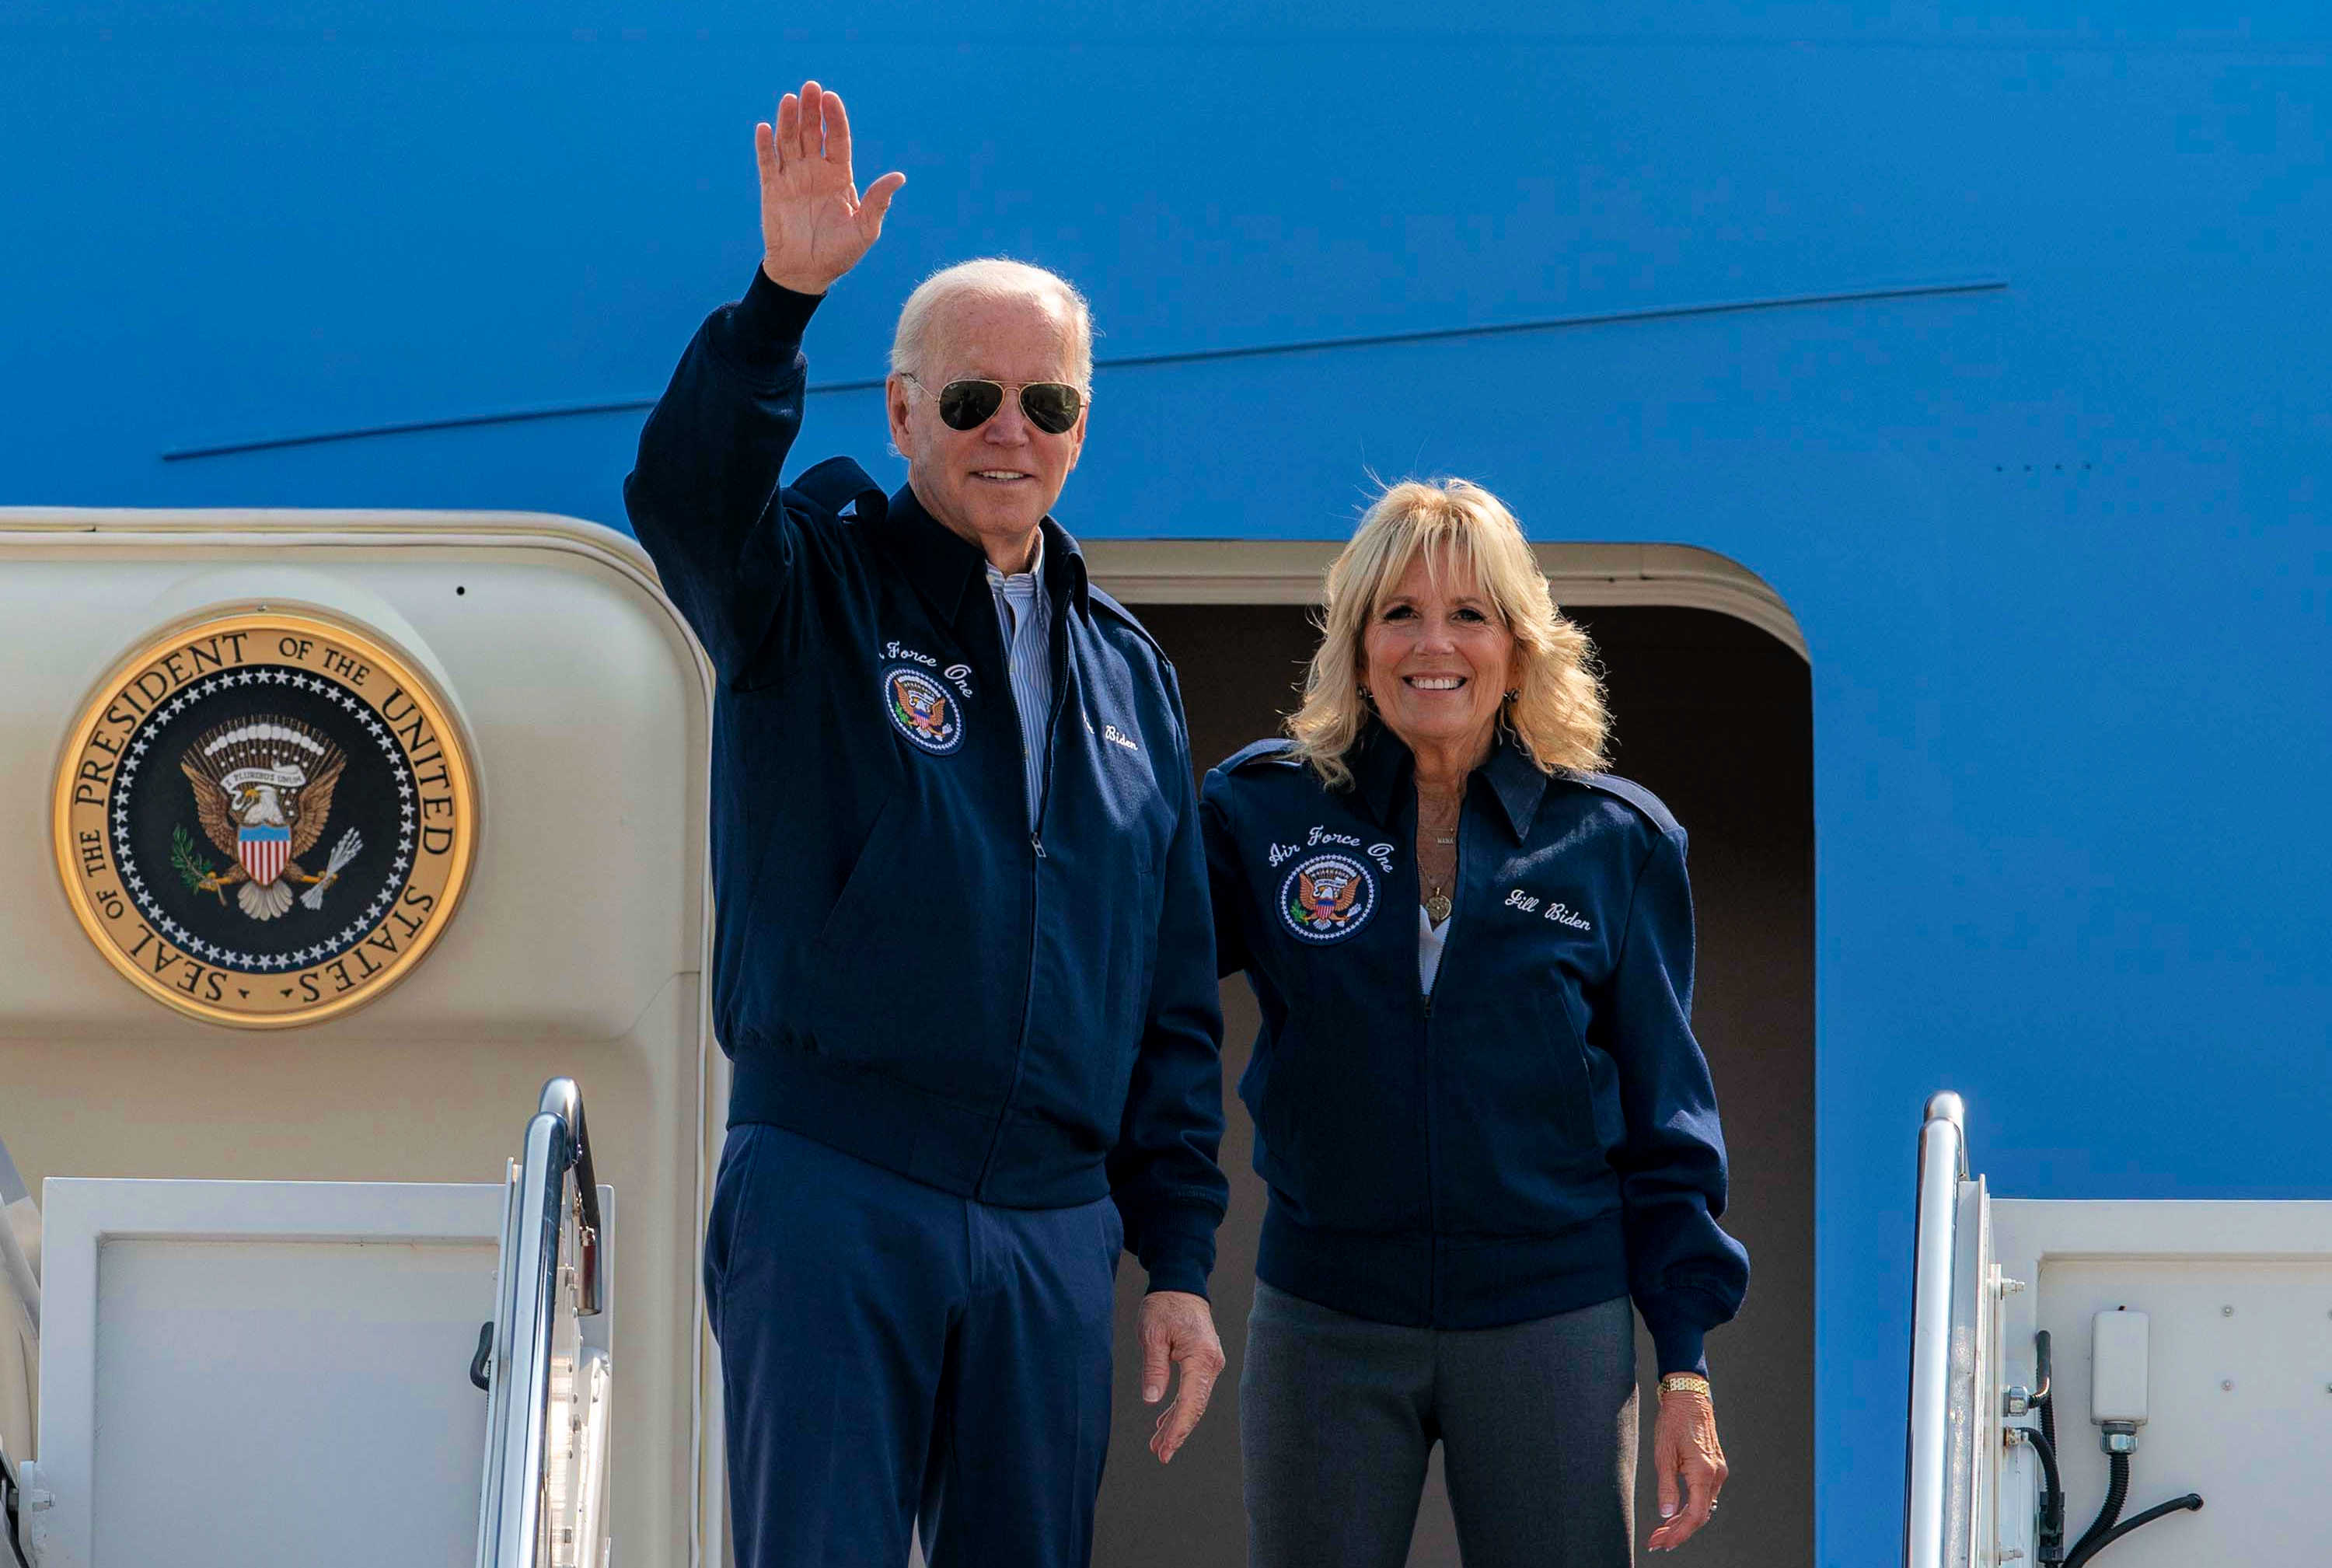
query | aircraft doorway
[1715, 714]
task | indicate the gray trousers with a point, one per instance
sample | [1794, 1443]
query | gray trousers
[1338, 1415]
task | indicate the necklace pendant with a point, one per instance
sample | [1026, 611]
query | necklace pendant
[1436, 908]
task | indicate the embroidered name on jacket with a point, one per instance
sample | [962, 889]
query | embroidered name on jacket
[921, 710]
[1327, 898]
[1561, 913]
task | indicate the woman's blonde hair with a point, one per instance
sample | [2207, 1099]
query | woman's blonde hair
[1558, 711]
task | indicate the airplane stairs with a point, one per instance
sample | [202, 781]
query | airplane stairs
[281, 1372]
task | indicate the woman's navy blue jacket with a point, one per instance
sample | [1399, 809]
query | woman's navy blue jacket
[1537, 1134]
[902, 969]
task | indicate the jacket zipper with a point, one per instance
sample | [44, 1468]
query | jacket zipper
[1432, 1201]
[1036, 857]
[1432, 1204]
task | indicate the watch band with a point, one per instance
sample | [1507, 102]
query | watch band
[1685, 1382]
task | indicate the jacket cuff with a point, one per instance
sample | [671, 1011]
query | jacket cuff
[1178, 1246]
[1681, 1348]
[766, 326]
[1679, 1320]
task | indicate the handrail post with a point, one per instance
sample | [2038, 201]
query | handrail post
[1942, 1165]
[563, 1099]
[530, 1305]
[517, 1451]
[16, 1275]
[15, 1269]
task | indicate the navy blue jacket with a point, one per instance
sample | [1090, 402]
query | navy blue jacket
[1537, 1134]
[904, 971]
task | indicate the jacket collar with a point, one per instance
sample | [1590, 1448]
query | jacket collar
[944, 566]
[1382, 769]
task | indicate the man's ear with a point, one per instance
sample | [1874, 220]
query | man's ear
[896, 390]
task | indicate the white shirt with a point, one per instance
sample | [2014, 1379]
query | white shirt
[1430, 941]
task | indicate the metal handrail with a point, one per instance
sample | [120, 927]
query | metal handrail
[1943, 1166]
[16, 1272]
[562, 1098]
[510, 1519]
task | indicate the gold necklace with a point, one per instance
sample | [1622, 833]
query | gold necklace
[1437, 902]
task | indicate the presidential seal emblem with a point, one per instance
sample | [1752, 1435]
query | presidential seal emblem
[921, 709]
[266, 820]
[1327, 898]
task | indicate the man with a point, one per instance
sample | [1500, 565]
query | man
[965, 950]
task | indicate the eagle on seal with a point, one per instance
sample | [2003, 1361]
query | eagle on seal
[926, 711]
[1327, 901]
[264, 790]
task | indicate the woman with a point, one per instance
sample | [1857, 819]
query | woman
[1486, 1125]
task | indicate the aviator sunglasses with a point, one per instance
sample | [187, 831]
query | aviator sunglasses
[1052, 407]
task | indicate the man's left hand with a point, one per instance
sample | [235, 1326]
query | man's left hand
[1178, 1327]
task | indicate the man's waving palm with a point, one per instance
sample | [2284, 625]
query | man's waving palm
[814, 223]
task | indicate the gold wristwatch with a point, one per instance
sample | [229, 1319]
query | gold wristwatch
[1685, 1382]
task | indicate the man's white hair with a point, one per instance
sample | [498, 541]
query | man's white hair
[991, 277]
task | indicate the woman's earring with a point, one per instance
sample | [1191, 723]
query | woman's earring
[1364, 691]
[1512, 692]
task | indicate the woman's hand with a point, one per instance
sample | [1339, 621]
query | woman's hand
[1684, 1449]
[814, 225]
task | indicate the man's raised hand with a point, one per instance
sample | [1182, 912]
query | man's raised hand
[814, 226]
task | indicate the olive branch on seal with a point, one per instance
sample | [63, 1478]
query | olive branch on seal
[192, 869]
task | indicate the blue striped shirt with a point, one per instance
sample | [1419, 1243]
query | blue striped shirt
[1025, 617]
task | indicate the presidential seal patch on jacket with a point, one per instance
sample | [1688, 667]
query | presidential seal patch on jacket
[266, 820]
[1327, 898]
[921, 709]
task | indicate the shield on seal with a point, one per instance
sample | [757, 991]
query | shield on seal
[264, 851]
[924, 706]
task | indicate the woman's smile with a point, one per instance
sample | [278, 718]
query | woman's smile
[1439, 659]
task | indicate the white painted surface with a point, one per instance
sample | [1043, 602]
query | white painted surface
[240, 1372]
[2117, 1347]
[580, 950]
[1975, 1373]
[2239, 1298]
[285, 1402]
[2017, 1497]
[587, 713]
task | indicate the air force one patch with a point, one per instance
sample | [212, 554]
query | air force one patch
[266, 820]
[921, 709]
[1327, 898]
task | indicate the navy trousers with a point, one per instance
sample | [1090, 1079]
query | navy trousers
[891, 1355]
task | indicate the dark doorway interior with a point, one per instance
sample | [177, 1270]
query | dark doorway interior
[1716, 716]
